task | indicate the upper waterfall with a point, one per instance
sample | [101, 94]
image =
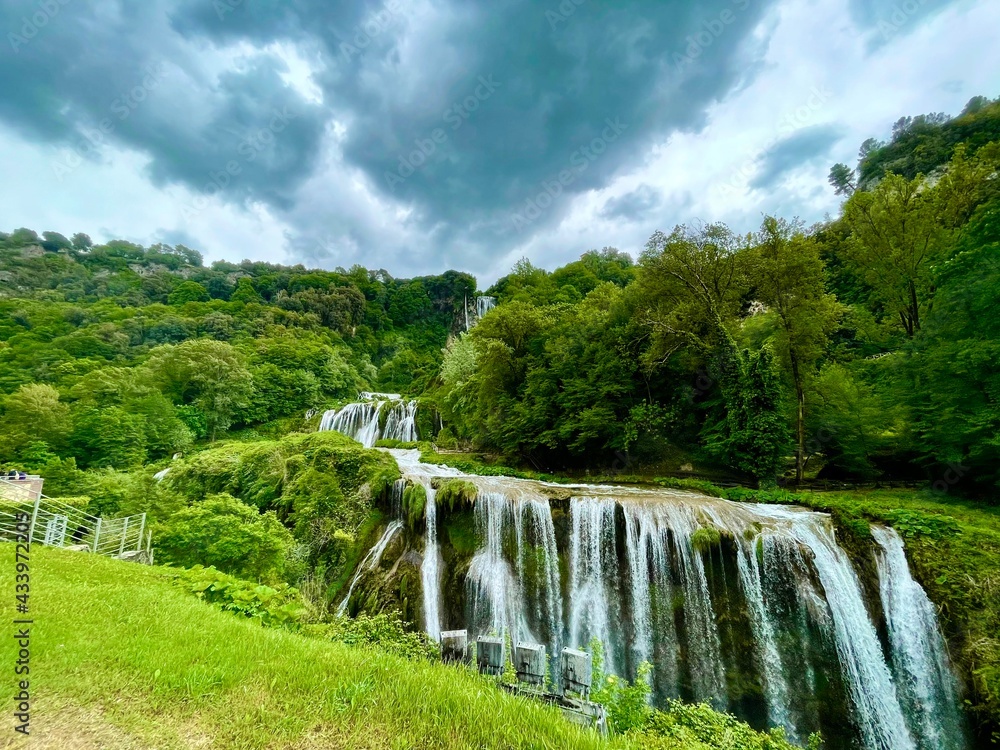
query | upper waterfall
[376, 416]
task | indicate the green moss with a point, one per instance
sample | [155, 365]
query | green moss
[461, 533]
[414, 505]
[456, 493]
[706, 537]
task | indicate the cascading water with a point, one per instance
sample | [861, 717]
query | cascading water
[430, 568]
[593, 562]
[362, 419]
[484, 304]
[919, 657]
[374, 556]
[751, 607]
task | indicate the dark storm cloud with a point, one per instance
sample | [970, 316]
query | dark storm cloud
[108, 73]
[464, 111]
[795, 151]
[634, 205]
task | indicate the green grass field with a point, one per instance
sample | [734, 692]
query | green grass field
[122, 658]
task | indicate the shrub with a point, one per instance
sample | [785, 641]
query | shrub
[277, 606]
[225, 533]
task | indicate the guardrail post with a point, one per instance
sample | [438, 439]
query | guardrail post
[34, 519]
[142, 526]
[97, 533]
[121, 547]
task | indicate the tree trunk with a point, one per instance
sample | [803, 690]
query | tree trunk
[800, 421]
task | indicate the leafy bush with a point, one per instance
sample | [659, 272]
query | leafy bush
[627, 704]
[384, 631]
[699, 726]
[224, 532]
[277, 606]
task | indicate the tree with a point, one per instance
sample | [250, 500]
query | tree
[82, 241]
[692, 282]
[33, 413]
[245, 292]
[223, 532]
[843, 180]
[188, 291]
[896, 237]
[788, 275]
[209, 375]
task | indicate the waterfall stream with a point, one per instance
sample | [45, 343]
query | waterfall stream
[363, 420]
[919, 657]
[753, 608]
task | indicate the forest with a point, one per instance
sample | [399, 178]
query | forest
[861, 348]
[859, 352]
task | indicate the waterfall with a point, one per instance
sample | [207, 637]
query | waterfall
[708, 677]
[484, 304]
[494, 589]
[876, 707]
[361, 420]
[374, 556]
[402, 422]
[918, 653]
[430, 570]
[519, 597]
[593, 565]
[653, 622]
[754, 608]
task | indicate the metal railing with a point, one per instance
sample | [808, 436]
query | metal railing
[58, 524]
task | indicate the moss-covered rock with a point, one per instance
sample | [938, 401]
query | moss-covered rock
[414, 505]
[455, 494]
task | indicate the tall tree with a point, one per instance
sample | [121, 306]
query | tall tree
[896, 237]
[788, 276]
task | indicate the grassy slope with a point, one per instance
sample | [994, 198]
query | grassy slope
[122, 658]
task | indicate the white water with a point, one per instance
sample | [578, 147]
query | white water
[645, 589]
[593, 563]
[371, 560]
[430, 569]
[361, 420]
[919, 657]
[484, 304]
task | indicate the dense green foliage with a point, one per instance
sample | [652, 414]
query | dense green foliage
[855, 349]
[116, 354]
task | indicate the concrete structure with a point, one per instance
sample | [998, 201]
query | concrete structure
[21, 490]
[575, 671]
[529, 661]
[489, 655]
[454, 646]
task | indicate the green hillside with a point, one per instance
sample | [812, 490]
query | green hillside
[122, 657]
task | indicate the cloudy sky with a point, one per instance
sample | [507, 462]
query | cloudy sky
[422, 135]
